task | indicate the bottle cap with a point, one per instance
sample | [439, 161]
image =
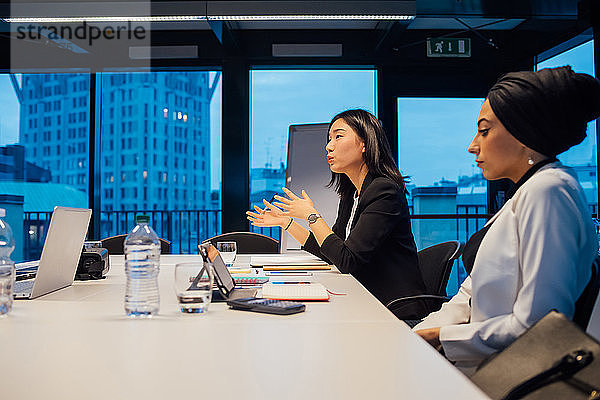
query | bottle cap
[2, 213]
[142, 219]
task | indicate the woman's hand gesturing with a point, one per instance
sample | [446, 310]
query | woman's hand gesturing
[296, 207]
[269, 216]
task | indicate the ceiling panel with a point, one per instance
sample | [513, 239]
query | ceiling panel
[330, 24]
[452, 24]
[499, 8]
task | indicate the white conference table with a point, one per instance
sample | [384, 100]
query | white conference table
[77, 343]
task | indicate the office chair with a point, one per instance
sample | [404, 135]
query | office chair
[585, 304]
[435, 263]
[249, 242]
[114, 245]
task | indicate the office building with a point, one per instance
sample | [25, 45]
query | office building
[13, 166]
[146, 124]
[123, 123]
[266, 182]
[158, 161]
[154, 135]
[53, 126]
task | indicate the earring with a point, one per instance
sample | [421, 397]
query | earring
[530, 160]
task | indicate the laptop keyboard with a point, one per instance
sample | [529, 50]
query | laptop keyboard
[24, 286]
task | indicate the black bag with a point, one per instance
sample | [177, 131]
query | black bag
[554, 359]
[93, 264]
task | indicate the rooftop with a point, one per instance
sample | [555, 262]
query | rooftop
[44, 196]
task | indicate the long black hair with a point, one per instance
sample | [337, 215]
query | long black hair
[377, 156]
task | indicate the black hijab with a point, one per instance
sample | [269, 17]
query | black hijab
[547, 110]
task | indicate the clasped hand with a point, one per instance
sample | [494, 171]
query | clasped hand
[431, 335]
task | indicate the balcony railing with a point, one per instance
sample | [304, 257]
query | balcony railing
[272, 231]
[185, 229]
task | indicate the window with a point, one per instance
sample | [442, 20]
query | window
[302, 97]
[145, 178]
[23, 178]
[443, 177]
[583, 157]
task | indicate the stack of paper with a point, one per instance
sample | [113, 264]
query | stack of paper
[284, 262]
[294, 291]
[296, 267]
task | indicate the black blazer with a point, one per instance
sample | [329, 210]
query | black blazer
[380, 251]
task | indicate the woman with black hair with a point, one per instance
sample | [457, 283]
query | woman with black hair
[371, 238]
[535, 254]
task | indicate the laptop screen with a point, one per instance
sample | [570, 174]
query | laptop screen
[62, 249]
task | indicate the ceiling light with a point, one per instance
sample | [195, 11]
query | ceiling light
[68, 20]
[186, 18]
[305, 17]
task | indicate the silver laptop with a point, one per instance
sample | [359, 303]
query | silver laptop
[60, 255]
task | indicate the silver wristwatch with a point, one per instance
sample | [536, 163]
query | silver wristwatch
[312, 218]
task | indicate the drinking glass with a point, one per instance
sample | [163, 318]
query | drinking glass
[193, 286]
[228, 250]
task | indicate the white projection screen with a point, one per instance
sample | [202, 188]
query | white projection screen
[307, 169]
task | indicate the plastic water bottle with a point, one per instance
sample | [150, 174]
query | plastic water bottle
[142, 259]
[7, 266]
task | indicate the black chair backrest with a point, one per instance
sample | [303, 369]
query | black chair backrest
[435, 263]
[114, 245]
[585, 304]
[249, 242]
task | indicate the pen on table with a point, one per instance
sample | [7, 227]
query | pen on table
[289, 283]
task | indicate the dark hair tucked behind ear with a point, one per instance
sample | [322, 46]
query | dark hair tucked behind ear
[377, 156]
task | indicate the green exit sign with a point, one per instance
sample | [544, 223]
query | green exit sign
[448, 47]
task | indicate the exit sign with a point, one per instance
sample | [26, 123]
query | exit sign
[448, 47]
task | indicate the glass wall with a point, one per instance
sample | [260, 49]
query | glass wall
[160, 154]
[433, 136]
[280, 98]
[44, 136]
[583, 157]
[160, 147]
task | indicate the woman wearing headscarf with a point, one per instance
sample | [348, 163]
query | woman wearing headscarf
[535, 254]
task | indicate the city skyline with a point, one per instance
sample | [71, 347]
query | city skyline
[154, 136]
[294, 91]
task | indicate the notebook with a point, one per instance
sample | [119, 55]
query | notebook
[292, 291]
[60, 255]
[296, 267]
[280, 262]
